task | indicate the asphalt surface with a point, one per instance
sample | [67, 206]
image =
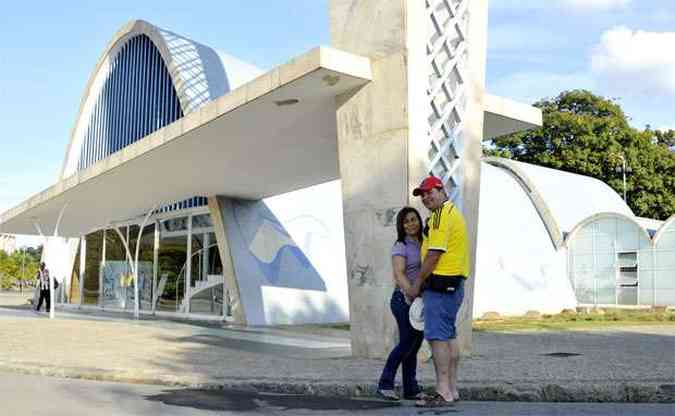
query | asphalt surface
[628, 364]
[35, 396]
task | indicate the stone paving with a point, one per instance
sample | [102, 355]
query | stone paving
[632, 364]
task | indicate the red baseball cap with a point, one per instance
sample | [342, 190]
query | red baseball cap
[429, 183]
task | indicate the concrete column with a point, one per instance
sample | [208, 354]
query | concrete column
[231, 284]
[379, 163]
[473, 151]
[384, 146]
[83, 263]
[101, 270]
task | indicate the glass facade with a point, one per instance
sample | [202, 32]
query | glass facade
[664, 266]
[167, 280]
[137, 97]
[117, 292]
[612, 261]
[117, 277]
[171, 265]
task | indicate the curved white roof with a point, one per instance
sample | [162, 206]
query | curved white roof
[569, 198]
[199, 74]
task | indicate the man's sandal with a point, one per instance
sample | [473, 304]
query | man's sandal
[434, 400]
[418, 396]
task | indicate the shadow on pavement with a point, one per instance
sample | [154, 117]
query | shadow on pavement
[24, 307]
[239, 401]
[265, 347]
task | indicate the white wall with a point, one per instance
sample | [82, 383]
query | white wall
[517, 266]
[288, 255]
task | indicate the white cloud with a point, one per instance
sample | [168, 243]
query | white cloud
[595, 4]
[635, 62]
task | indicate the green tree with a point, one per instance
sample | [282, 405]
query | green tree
[18, 265]
[587, 134]
[664, 137]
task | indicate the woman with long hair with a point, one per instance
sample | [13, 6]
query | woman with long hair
[406, 264]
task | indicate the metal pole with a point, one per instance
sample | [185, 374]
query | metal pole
[101, 268]
[138, 250]
[23, 270]
[83, 265]
[188, 267]
[155, 266]
[623, 159]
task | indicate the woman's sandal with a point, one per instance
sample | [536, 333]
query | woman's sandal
[434, 400]
[387, 395]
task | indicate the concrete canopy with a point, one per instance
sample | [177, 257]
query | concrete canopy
[503, 116]
[272, 135]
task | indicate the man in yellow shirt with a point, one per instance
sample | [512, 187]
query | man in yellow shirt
[445, 267]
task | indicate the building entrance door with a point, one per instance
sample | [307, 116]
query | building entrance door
[627, 278]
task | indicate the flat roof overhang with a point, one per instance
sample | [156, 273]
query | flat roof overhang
[254, 142]
[503, 116]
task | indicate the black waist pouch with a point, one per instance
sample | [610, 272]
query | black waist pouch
[444, 283]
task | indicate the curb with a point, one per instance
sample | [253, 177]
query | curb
[524, 392]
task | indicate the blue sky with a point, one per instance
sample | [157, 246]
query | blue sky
[616, 48]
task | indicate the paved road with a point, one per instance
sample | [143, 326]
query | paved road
[33, 395]
[608, 365]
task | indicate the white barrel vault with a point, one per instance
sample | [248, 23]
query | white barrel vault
[196, 75]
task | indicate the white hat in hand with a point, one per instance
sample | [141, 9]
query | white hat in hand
[416, 314]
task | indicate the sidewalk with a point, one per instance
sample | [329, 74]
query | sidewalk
[628, 365]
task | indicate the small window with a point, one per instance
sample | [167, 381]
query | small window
[627, 259]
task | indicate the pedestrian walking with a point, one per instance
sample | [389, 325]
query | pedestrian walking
[43, 284]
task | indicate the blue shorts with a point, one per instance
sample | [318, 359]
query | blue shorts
[440, 313]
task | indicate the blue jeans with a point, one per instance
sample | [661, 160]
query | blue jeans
[405, 353]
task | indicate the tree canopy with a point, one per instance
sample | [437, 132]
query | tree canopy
[587, 134]
[19, 265]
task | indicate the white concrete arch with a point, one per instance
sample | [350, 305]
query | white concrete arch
[198, 73]
[557, 195]
[537, 199]
[595, 217]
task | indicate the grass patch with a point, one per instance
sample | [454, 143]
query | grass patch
[561, 322]
[567, 321]
[343, 326]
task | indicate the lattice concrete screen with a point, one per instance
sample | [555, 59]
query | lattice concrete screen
[447, 55]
